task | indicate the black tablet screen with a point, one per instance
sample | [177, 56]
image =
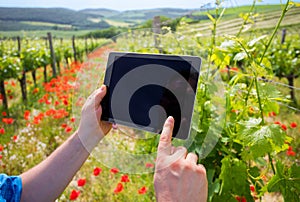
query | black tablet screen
[168, 84]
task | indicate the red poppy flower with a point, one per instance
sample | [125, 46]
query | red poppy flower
[15, 138]
[13, 83]
[240, 199]
[114, 170]
[4, 114]
[149, 165]
[74, 195]
[36, 90]
[65, 102]
[72, 119]
[97, 171]
[290, 153]
[56, 103]
[235, 69]
[26, 115]
[142, 190]
[119, 188]
[283, 127]
[68, 129]
[125, 178]
[8, 120]
[81, 182]
[64, 125]
[252, 188]
[1, 156]
[50, 112]
[1, 148]
[293, 125]
[2, 131]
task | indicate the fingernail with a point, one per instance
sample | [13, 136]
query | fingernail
[103, 87]
[170, 119]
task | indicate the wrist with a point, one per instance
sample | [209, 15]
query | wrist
[89, 141]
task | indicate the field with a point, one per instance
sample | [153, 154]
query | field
[246, 119]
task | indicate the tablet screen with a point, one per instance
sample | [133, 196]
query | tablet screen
[144, 89]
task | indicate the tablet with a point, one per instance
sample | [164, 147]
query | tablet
[144, 89]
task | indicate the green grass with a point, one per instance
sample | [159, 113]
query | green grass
[117, 23]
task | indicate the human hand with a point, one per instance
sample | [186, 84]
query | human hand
[91, 129]
[177, 176]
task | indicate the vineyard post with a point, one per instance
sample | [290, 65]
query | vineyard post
[46, 41]
[3, 95]
[283, 36]
[156, 30]
[86, 46]
[23, 78]
[19, 45]
[53, 62]
[74, 48]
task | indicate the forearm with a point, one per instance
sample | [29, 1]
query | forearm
[47, 181]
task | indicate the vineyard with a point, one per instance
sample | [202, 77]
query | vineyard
[246, 120]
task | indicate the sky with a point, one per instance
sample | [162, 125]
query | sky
[122, 5]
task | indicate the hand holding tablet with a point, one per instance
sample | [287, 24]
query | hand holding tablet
[144, 89]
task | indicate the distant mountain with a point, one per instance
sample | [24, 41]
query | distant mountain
[100, 12]
[143, 15]
[14, 19]
[47, 18]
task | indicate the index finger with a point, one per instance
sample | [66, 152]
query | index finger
[164, 145]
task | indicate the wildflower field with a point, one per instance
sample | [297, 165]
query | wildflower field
[246, 120]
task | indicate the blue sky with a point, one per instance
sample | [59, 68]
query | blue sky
[123, 4]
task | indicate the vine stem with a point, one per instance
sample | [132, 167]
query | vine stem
[246, 19]
[271, 162]
[275, 30]
[259, 100]
[261, 59]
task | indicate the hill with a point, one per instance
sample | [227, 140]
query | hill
[143, 15]
[266, 17]
[14, 19]
[100, 12]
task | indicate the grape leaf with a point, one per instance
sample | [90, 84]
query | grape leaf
[259, 140]
[286, 180]
[234, 180]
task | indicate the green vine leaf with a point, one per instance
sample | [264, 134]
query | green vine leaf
[259, 140]
[234, 180]
[286, 180]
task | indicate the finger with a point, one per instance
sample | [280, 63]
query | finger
[164, 145]
[100, 93]
[180, 152]
[166, 161]
[191, 157]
